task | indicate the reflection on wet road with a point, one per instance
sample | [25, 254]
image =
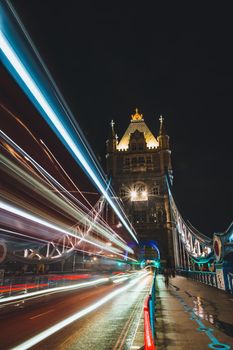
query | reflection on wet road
[103, 317]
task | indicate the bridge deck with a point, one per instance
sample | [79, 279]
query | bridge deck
[116, 325]
[191, 315]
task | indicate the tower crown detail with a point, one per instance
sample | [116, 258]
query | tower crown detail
[136, 116]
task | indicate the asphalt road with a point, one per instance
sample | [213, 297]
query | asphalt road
[111, 326]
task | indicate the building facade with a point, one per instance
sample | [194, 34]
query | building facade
[137, 165]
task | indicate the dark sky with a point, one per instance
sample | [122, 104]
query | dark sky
[110, 57]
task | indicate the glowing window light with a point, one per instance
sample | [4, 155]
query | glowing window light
[14, 60]
[144, 195]
[58, 326]
[138, 195]
[133, 195]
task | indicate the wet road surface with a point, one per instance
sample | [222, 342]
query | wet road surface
[111, 326]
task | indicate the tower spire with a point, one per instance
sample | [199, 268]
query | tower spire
[112, 138]
[162, 130]
[163, 137]
[113, 134]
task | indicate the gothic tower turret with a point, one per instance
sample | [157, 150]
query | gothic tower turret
[137, 165]
[164, 148]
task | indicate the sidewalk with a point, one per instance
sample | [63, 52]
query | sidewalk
[192, 316]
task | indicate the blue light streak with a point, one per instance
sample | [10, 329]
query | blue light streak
[37, 95]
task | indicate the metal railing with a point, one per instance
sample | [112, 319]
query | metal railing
[230, 282]
[205, 277]
[209, 278]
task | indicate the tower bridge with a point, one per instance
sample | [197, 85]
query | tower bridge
[97, 251]
[139, 165]
[96, 292]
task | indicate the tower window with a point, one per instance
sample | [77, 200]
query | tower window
[141, 160]
[153, 216]
[134, 146]
[148, 160]
[139, 217]
[155, 190]
[139, 192]
[141, 188]
[127, 161]
[140, 146]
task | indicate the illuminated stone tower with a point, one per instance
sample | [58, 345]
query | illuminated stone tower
[137, 165]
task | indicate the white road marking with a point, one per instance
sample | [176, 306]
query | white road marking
[44, 313]
[65, 322]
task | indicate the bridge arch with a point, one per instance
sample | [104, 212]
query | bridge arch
[142, 245]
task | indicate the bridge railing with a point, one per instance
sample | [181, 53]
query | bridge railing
[209, 278]
[205, 277]
[149, 313]
[230, 281]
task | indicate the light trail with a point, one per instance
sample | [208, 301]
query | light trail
[63, 170]
[59, 96]
[60, 325]
[73, 211]
[45, 223]
[20, 122]
[48, 177]
[51, 180]
[53, 290]
[51, 117]
[103, 222]
[99, 254]
[120, 279]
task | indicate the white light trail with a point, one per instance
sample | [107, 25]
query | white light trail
[120, 279]
[75, 211]
[14, 60]
[53, 290]
[43, 222]
[48, 332]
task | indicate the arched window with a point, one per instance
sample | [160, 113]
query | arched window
[139, 192]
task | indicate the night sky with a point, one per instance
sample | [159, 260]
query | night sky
[109, 57]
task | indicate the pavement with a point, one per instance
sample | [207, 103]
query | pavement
[191, 315]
